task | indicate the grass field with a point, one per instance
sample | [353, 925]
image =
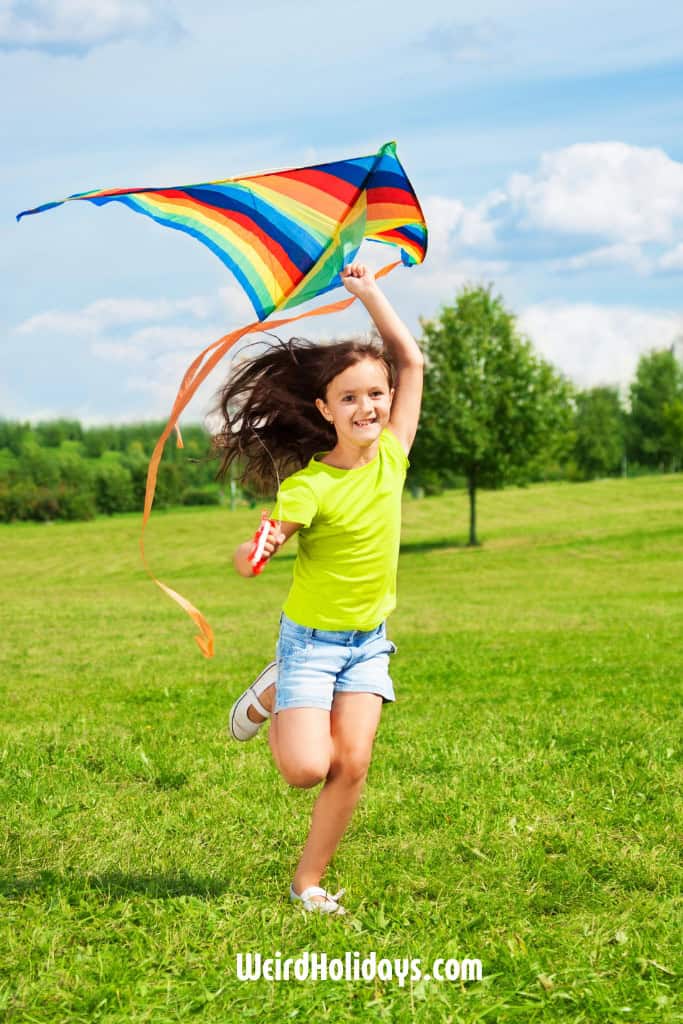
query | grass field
[521, 806]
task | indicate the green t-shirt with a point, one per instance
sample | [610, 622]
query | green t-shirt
[345, 570]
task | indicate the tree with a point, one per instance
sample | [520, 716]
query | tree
[599, 428]
[493, 411]
[54, 432]
[113, 485]
[38, 464]
[12, 435]
[655, 422]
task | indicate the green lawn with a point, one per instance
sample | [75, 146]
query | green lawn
[523, 805]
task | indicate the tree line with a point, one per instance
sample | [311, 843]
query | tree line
[62, 470]
[494, 413]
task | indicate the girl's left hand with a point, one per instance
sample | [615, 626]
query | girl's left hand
[358, 279]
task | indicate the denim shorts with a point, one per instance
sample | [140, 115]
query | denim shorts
[314, 664]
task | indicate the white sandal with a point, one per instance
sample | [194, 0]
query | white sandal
[328, 905]
[241, 726]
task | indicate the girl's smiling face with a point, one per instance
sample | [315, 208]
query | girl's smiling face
[358, 402]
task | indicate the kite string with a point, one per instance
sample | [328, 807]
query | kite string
[277, 475]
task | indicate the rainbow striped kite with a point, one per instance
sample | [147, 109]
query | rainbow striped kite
[286, 236]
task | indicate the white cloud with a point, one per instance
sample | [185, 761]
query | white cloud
[619, 192]
[462, 43]
[629, 197]
[624, 254]
[154, 339]
[452, 224]
[235, 304]
[76, 26]
[118, 351]
[160, 383]
[673, 259]
[105, 314]
[595, 345]
[173, 345]
[173, 337]
[434, 286]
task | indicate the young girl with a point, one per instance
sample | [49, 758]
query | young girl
[333, 417]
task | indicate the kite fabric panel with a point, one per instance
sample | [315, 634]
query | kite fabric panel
[286, 236]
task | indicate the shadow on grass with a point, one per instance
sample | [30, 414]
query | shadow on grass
[112, 885]
[441, 544]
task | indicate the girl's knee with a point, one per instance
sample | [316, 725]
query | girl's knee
[305, 774]
[352, 765]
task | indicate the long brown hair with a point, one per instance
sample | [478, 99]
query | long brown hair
[268, 411]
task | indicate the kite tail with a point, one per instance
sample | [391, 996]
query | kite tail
[196, 373]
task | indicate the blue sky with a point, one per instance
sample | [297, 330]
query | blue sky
[545, 142]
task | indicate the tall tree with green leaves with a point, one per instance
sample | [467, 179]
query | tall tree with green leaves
[655, 421]
[493, 410]
[599, 428]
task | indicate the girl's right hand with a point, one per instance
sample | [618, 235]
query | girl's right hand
[274, 541]
[265, 543]
[275, 538]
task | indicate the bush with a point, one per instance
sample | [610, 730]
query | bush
[169, 484]
[10, 467]
[201, 496]
[113, 487]
[6, 503]
[76, 504]
[38, 465]
[26, 500]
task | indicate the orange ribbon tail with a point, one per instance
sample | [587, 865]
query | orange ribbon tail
[196, 374]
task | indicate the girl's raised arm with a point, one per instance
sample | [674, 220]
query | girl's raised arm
[404, 350]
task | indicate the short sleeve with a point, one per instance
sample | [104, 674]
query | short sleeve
[395, 449]
[296, 502]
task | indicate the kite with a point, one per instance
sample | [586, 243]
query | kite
[286, 236]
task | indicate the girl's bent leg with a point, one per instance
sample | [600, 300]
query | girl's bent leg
[301, 745]
[354, 720]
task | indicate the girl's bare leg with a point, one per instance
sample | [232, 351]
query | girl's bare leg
[353, 723]
[301, 745]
